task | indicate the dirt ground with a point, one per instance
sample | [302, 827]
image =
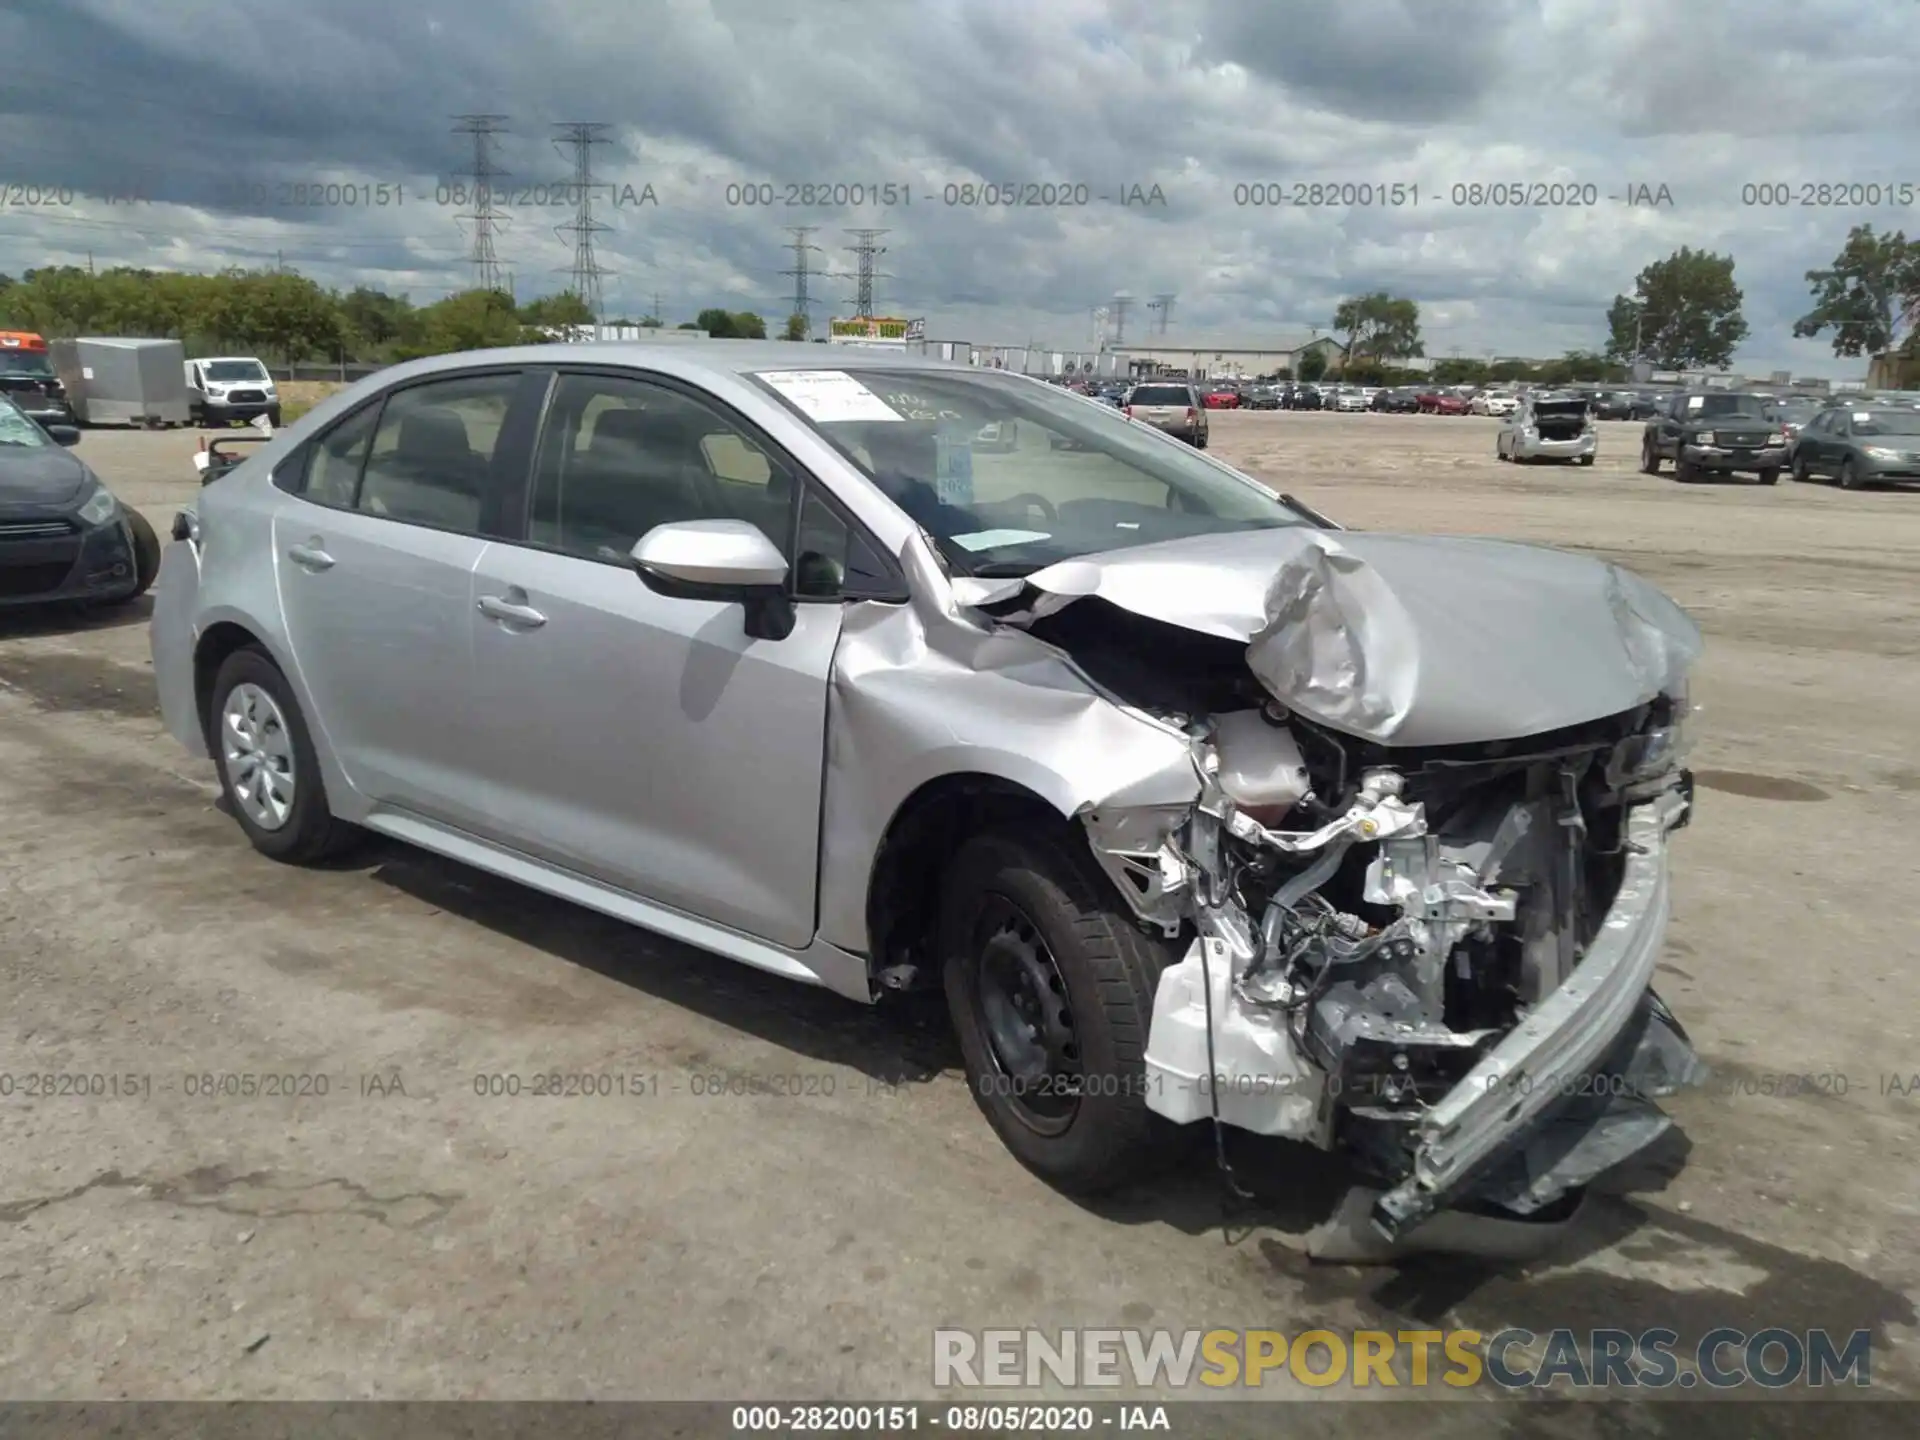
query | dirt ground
[404, 1235]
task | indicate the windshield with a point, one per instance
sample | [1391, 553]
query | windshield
[1797, 411]
[1726, 405]
[1889, 422]
[1077, 479]
[228, 371]
[24, 362]
[17, 430]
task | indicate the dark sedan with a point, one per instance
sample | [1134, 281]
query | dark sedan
[63, 534]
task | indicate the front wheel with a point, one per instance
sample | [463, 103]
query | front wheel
[1849, 474]
[1684, 470]
[1649, 458]
[1051, 984]
[269, 773]
[1770, 477]
[1586, 459]
[1800, 472]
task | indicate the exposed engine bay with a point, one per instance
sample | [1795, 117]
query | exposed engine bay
[1436, 957]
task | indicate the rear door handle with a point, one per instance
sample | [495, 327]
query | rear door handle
[310, 556]
[496, 608]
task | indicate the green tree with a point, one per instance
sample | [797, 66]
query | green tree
[1870, 291]
[797, 326]
[557, 311]
[1311, 366]
[748, 326]
[717, 323]
[1684, 314]
[1378, 327]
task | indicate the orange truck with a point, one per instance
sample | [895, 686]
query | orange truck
[27, 378]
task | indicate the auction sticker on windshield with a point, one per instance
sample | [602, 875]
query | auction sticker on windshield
[829, 395]
[994, 539]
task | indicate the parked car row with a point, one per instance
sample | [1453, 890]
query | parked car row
[1854, 442]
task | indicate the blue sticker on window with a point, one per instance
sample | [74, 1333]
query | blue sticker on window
[953, 465]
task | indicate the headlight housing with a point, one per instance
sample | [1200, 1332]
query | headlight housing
[1879, 452]
[99, 507]
[1705, 437]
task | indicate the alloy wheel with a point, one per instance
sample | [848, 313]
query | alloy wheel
[256, 751]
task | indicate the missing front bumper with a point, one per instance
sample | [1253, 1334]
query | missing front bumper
[1562, 1096]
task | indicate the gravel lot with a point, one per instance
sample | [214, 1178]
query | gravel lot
[401, 1235]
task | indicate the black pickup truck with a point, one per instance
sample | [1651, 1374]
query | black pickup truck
[1715, 432]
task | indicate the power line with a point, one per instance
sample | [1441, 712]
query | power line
[583, 136]
[485, 216]
[1119, 305]
[801, 247]
[1162, 305]
[866, 249]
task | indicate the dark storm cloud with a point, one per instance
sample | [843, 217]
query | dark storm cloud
[1401, 60]
[205, 107]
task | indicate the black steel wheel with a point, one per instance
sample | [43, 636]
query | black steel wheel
[1050, 983]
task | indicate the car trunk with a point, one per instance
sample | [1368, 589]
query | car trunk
[1561, 419]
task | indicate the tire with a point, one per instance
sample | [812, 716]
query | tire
[1770, 477]
[1801, 474]
[273, 416]
[1034, 903]
[1583, 460]
[1649, 458]
[309, 831]
[146, 553]
[1849, 474]
[1200, 441]
[1685, 471]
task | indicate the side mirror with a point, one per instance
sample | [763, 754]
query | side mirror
[64, 434]
[726, 560]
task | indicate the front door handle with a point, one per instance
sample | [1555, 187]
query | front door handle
[496, 608]
[310, 556]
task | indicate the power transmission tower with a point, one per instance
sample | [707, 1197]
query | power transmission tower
[486, 215]
[1119, 305]
[866, 249]
[582, 136]
[1162, 305]
[800, 272]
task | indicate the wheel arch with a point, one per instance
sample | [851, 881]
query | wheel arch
[928, 826]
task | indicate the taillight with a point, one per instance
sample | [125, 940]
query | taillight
[1192, 414]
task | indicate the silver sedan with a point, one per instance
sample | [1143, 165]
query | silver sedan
[882, 674]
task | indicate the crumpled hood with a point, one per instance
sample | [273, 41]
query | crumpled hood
[1407, 639]
[39, 478]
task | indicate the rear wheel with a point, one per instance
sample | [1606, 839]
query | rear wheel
[1051, 990]
[1649, 458]
[268, 770]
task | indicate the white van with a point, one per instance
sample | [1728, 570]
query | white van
[227, 388]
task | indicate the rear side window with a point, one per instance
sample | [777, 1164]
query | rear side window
[433, 451]
[333, 474]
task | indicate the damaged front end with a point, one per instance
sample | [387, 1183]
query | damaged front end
[1434, 954]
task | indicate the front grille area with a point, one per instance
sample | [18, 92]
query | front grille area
[246, 397]
[35, 530]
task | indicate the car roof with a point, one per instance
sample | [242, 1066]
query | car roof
[718, 358]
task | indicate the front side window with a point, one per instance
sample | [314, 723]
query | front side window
[619, 456]
[433, 451]
[1889, 422]
[1076, 478]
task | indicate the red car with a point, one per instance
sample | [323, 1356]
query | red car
[1443, 403]
[1223, 400]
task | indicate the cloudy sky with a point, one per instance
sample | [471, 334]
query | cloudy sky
[176, 135]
